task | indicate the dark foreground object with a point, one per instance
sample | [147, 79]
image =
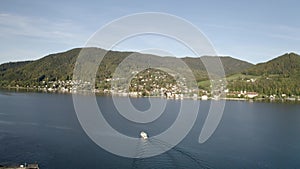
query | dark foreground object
[28, 166]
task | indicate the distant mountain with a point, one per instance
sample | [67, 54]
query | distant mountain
[53, 66]
[230, 65]
[286, 65]
[60, 66]
[279, 76]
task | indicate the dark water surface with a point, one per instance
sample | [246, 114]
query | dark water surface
[44, 128]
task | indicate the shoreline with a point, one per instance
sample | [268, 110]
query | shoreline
[34, 90]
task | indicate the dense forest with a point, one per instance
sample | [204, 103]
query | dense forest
[60, 66]
[277, 76]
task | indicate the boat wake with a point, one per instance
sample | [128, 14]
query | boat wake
[176, 157]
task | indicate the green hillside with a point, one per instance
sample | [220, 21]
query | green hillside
[277, 76]
[60, 66]
[230, 65]
[286, 65]
[51, 67]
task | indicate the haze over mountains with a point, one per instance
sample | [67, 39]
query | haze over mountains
[60, 66]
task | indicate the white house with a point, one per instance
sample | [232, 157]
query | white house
[251, 95]
[204, 97]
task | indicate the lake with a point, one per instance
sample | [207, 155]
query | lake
[43, 128]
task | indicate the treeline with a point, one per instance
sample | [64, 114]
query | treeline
[60, 66]
[268, 86]
[287, 65]
[277, 76]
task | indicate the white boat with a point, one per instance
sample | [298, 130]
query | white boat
[144, 135]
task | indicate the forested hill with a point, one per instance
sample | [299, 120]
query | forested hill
[279, 76]
[286, 65]
[60, 66]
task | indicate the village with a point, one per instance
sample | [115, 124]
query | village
[155, 85]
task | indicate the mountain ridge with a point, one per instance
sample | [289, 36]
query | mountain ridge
[279, 76]
[276, 76]
[59, 66]
[287, 63]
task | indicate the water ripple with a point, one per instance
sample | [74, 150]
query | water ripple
[174, 158]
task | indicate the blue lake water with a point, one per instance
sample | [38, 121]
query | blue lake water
[43, 128]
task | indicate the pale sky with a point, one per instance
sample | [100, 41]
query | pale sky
[254, 31]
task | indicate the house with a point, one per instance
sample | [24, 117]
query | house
[251, 95]
[204, 97]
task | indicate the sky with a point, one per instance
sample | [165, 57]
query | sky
[254, 31]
